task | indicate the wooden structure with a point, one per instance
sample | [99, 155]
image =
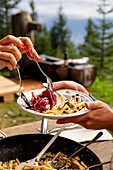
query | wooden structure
[103, 149]
[8, 89]
[23, 25]
[77, 69]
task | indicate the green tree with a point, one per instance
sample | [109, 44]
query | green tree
[98, 44]
[91, 45]
[60, 35]
[42, 42]
[105, 34]
[34, 14]
[6, 7]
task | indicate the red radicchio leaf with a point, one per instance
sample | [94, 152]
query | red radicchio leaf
[41, 101]
[49, 94]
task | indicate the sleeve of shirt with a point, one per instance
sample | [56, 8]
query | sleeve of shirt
[92, 97]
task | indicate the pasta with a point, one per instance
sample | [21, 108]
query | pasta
[45, 163]
[68, 106]
[11, 165]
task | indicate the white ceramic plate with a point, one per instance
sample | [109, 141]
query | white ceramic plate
[65, 92]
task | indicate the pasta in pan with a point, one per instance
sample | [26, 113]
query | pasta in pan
[45, 163]
[12, 164]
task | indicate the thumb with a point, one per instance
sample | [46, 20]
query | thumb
[93, 105]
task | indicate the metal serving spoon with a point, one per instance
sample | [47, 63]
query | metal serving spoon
[62, 164]
[96, 165]
[34, 161]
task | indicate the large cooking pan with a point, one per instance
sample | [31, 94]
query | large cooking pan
[25, 147]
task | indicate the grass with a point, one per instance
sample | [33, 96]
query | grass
[11, 114]
[102, 90]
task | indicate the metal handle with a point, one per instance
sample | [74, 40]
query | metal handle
[50, 142]
[93, 140]
[4, 135]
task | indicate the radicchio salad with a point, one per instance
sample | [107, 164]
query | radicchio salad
[44, 101]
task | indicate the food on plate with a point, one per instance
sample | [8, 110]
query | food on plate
[68, 106]
[44, 101]
[45, 163]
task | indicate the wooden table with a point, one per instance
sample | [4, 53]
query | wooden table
[8, 89]
[102, 149]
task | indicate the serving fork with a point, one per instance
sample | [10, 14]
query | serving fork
[49, 81]
[21, 93]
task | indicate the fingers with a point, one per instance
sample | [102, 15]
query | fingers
[11, 39]
[10, 55]
[11, 49]
[29, 50]
[28, 45]
[94, 105]
[23, 50]
[9, 62]
[69, 85]
[64, 85]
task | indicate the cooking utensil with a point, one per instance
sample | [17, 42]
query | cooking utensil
[21, 93]
[34, 161]
[97, 165]
[49, 81]
[94, 166]
[62, 164]
[24, 147]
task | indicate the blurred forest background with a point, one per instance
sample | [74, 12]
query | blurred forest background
[97, 46]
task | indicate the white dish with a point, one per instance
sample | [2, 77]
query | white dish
[22, 104]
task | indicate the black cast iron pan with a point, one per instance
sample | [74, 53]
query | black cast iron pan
[27, 146]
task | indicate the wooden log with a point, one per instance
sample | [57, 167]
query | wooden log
[23, 25]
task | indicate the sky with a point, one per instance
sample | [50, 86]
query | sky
[73, 9]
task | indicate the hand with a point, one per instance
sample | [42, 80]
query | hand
[69, 85]
[11, 49]
[100, 117]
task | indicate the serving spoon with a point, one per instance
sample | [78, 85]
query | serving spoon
[62, 164]
[34, 161]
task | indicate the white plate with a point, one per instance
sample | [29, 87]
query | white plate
[22, 104]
